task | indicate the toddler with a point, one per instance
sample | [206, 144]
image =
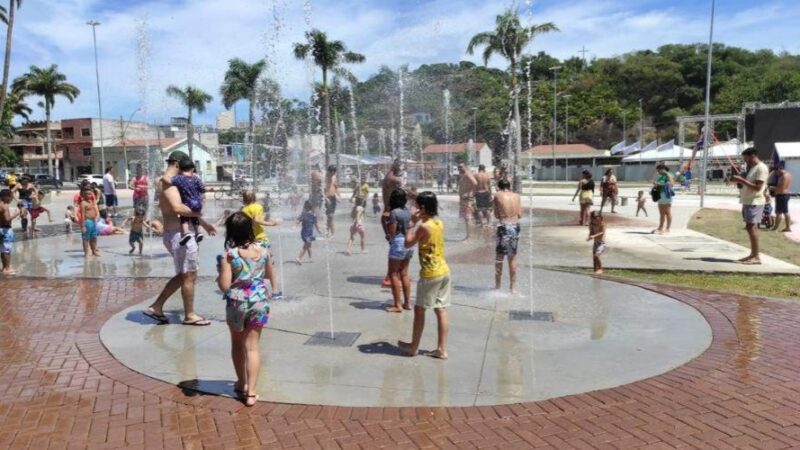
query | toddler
[308, 222]
[357, 227]
[191, 189]
[138, 225]
[90, 213]
[640, 201]
[70, 218]
[376, 204]
[767, 219]
[597, 231]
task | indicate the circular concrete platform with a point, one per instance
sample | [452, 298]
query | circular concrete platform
[602, 335]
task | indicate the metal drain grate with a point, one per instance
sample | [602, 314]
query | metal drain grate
[340, 339]
[541, 316]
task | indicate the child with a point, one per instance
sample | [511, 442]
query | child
[257, 215]
[191, 188]
[640, 201]
[23, 215]
[767, 219]
[70, 218]
[90, 212]
[242, 274]
[36, 210]
[399, 254]
[357, 227]
[6, 233]
[138, 225]
[597, 231]
[376, 204]
[308, 222]
[433, 287]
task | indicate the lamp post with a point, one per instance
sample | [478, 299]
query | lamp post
[94, 24]
[641, 125]
[566, 121]
[706, 131]
[555, 70]
[123, 128]
[624, 128]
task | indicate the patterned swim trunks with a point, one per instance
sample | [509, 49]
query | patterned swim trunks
[507, 239]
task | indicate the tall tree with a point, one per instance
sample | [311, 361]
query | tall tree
[194, 99]
[15, 106]
[7, 17]
[330, 56]
[241, 83]
[509, 39]
[47, 83]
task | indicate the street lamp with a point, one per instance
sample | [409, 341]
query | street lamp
[123, 129]
[94, 24]
[706, 131]
[641, 125]
[566, 121]
[555, 70]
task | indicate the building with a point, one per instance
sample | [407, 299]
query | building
[29, 144]
[478, 153]
[225, 120]
[138, 151]
[570, 160]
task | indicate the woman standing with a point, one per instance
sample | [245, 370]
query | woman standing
[662, 194]
[140, 184]
[586, 192]
[609, 190]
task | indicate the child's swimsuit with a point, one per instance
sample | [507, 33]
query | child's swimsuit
[247, 300]
[90, 229]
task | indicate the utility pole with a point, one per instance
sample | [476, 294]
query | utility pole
[555, 70]
[641, 125]
[624, 128]
[94, 24]
[566, 122]
[706, 131]
[583, 52]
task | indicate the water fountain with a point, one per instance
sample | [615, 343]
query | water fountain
[401, 127]
[382, 141]
[417, 142]
[446, 94]
[354, 128]
[143, 77]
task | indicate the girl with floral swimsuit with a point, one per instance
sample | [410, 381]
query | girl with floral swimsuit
[244, 274]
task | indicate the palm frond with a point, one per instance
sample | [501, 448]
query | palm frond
[485, 38]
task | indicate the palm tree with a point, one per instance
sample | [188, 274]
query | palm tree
[329, 56]
[7, 17]
[194, 99]
[47, 83]
[15, 106]
[241, 83]
[509, 39]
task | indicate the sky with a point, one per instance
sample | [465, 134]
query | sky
[143, 46]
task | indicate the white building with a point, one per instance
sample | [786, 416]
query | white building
[225, 120]
[478, 153]
[136, 152]
[789, 152]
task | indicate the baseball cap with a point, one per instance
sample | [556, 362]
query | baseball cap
[176, 156]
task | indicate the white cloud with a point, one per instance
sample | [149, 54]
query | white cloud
[191, 40]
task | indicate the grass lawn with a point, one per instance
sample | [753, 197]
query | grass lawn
[728, 225]
[779, 286]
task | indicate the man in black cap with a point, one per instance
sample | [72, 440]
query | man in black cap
[185, 257]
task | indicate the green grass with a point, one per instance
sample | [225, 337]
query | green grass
[728, 225]
[778, 286]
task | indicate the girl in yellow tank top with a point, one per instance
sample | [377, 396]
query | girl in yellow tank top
[431, 252]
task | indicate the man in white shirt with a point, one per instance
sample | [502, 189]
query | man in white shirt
[110, 191]
[751, 196]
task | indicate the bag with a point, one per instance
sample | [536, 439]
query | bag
[655, 193]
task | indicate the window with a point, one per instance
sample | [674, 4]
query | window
[86, 132]
[69, 133]
[87, 151]
[208, 167]
[40, 150]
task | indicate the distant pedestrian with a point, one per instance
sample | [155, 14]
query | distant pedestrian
[110, 191]
[140, 184]
[609, 190]
[308, 222]
[433, 287]
[585, 194]
[662, 193]
[783, 187]
[751, 196]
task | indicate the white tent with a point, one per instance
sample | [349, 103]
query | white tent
[730, 149]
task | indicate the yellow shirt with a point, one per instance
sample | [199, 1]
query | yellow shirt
[364, 191]
[431, 253]
[253, 211]
[750, 196]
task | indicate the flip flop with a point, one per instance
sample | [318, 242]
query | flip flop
[197, 323]
[160, 318]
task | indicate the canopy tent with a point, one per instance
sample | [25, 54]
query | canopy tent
[727, 150]
[789, 153]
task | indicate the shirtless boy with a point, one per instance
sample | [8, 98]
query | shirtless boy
[89, 213]
[6, 233]
[332, 197]
[507, 210]
[483, 196]
[466, 195]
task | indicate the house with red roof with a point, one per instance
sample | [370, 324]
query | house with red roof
[438, 155]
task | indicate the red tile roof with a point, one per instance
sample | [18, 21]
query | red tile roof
[452, 148]
[564, 149]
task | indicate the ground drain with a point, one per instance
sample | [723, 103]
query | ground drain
[541, 316]
[340, 339]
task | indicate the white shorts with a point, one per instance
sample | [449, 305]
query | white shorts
[433, 292]
[185, 257]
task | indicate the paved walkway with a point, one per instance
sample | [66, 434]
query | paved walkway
[60, 388]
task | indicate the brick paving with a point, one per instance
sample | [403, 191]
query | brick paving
[60, 388]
